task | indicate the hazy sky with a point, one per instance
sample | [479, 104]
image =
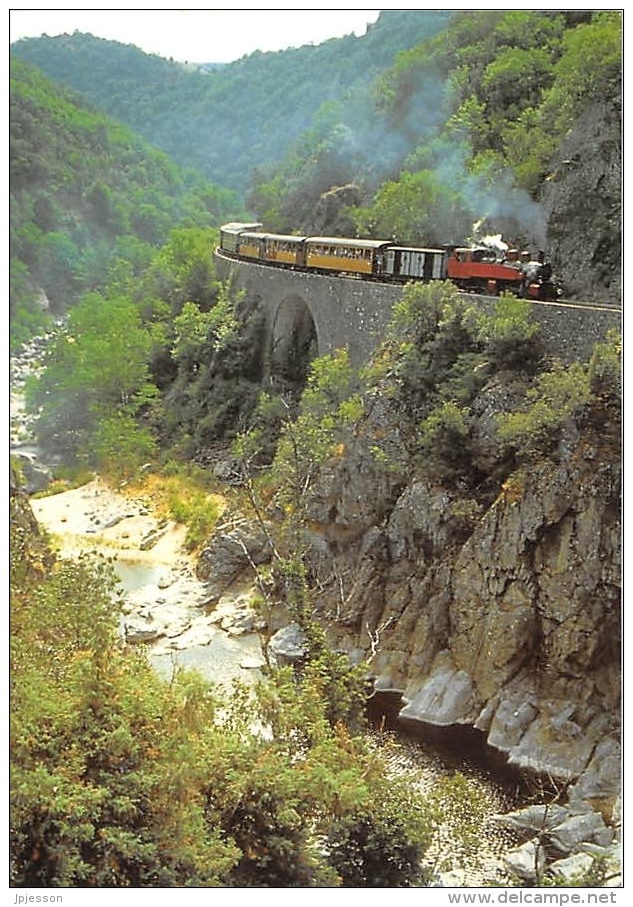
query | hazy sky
[196, 36]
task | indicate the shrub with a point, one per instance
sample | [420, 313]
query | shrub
[444, 442]
[511, 338]
[378, 849]
[605, 370]
[556, 397]
[196, 509]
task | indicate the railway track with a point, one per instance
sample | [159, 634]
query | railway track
[561, 303]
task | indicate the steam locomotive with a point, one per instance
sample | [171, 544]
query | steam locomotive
[480, 269]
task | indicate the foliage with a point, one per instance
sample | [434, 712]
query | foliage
[309, 440]
[329, 406]
[193, 115]
[217, 356]
[435, 119]
[589, 67]
[378, 854]
[326, 156]
[439, 354]
[444, 445]
[27, 316]
[181, 271]
[120, 779]
[556, 396]
[431, 332]
[513, 82]
[97, 383]
[605, 370]
[86, 194]
[511, 336]
[121, 446]
[170, 357]
[198, 510]
[417, 209]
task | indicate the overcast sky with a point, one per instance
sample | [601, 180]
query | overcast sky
[196, 36]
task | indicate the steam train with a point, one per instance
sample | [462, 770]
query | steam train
[480, 269]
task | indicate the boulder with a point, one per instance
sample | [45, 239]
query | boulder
[228, 554]
[527, 861]
[288, 645]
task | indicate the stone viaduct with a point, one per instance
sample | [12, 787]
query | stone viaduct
[335, 313]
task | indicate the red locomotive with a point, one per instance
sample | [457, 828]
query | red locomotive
[484, 269]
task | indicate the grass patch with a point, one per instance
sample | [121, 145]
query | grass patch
[185, 495]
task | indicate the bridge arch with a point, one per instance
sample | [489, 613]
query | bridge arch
[293, 338]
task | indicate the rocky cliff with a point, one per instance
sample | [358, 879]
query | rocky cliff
[582, 200]
[509, 623]
[503, 617]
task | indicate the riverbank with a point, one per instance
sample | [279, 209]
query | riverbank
[165, 607]
[95, 515]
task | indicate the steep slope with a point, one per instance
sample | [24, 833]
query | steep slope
[246, 114]
[582, 199]
[85, 192]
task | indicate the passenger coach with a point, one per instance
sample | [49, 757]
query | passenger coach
[346, 256]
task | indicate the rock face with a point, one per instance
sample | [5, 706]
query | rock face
[582, 199]
[329, 216]
[229, 553]
[511, 626]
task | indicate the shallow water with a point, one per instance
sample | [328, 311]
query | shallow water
[219, 662]
[135, 575]
[221, 658]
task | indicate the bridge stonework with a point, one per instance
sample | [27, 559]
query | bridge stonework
[353, 314]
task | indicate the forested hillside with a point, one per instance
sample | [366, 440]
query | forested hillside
[246, 114]
[87, 197]
[479, 130]
[434, 127]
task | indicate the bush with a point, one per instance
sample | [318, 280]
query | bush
[122, 780]
[605, 370]
[370, 850]
[444, 446]
[122, 446]
[558, 395]
[511, 338]
[194, 507]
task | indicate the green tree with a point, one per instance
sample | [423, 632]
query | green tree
[418, 209]
[97, 372]
[182, 270]
[590, 67]
[329, 406]
[121, 446]
[86, 193]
